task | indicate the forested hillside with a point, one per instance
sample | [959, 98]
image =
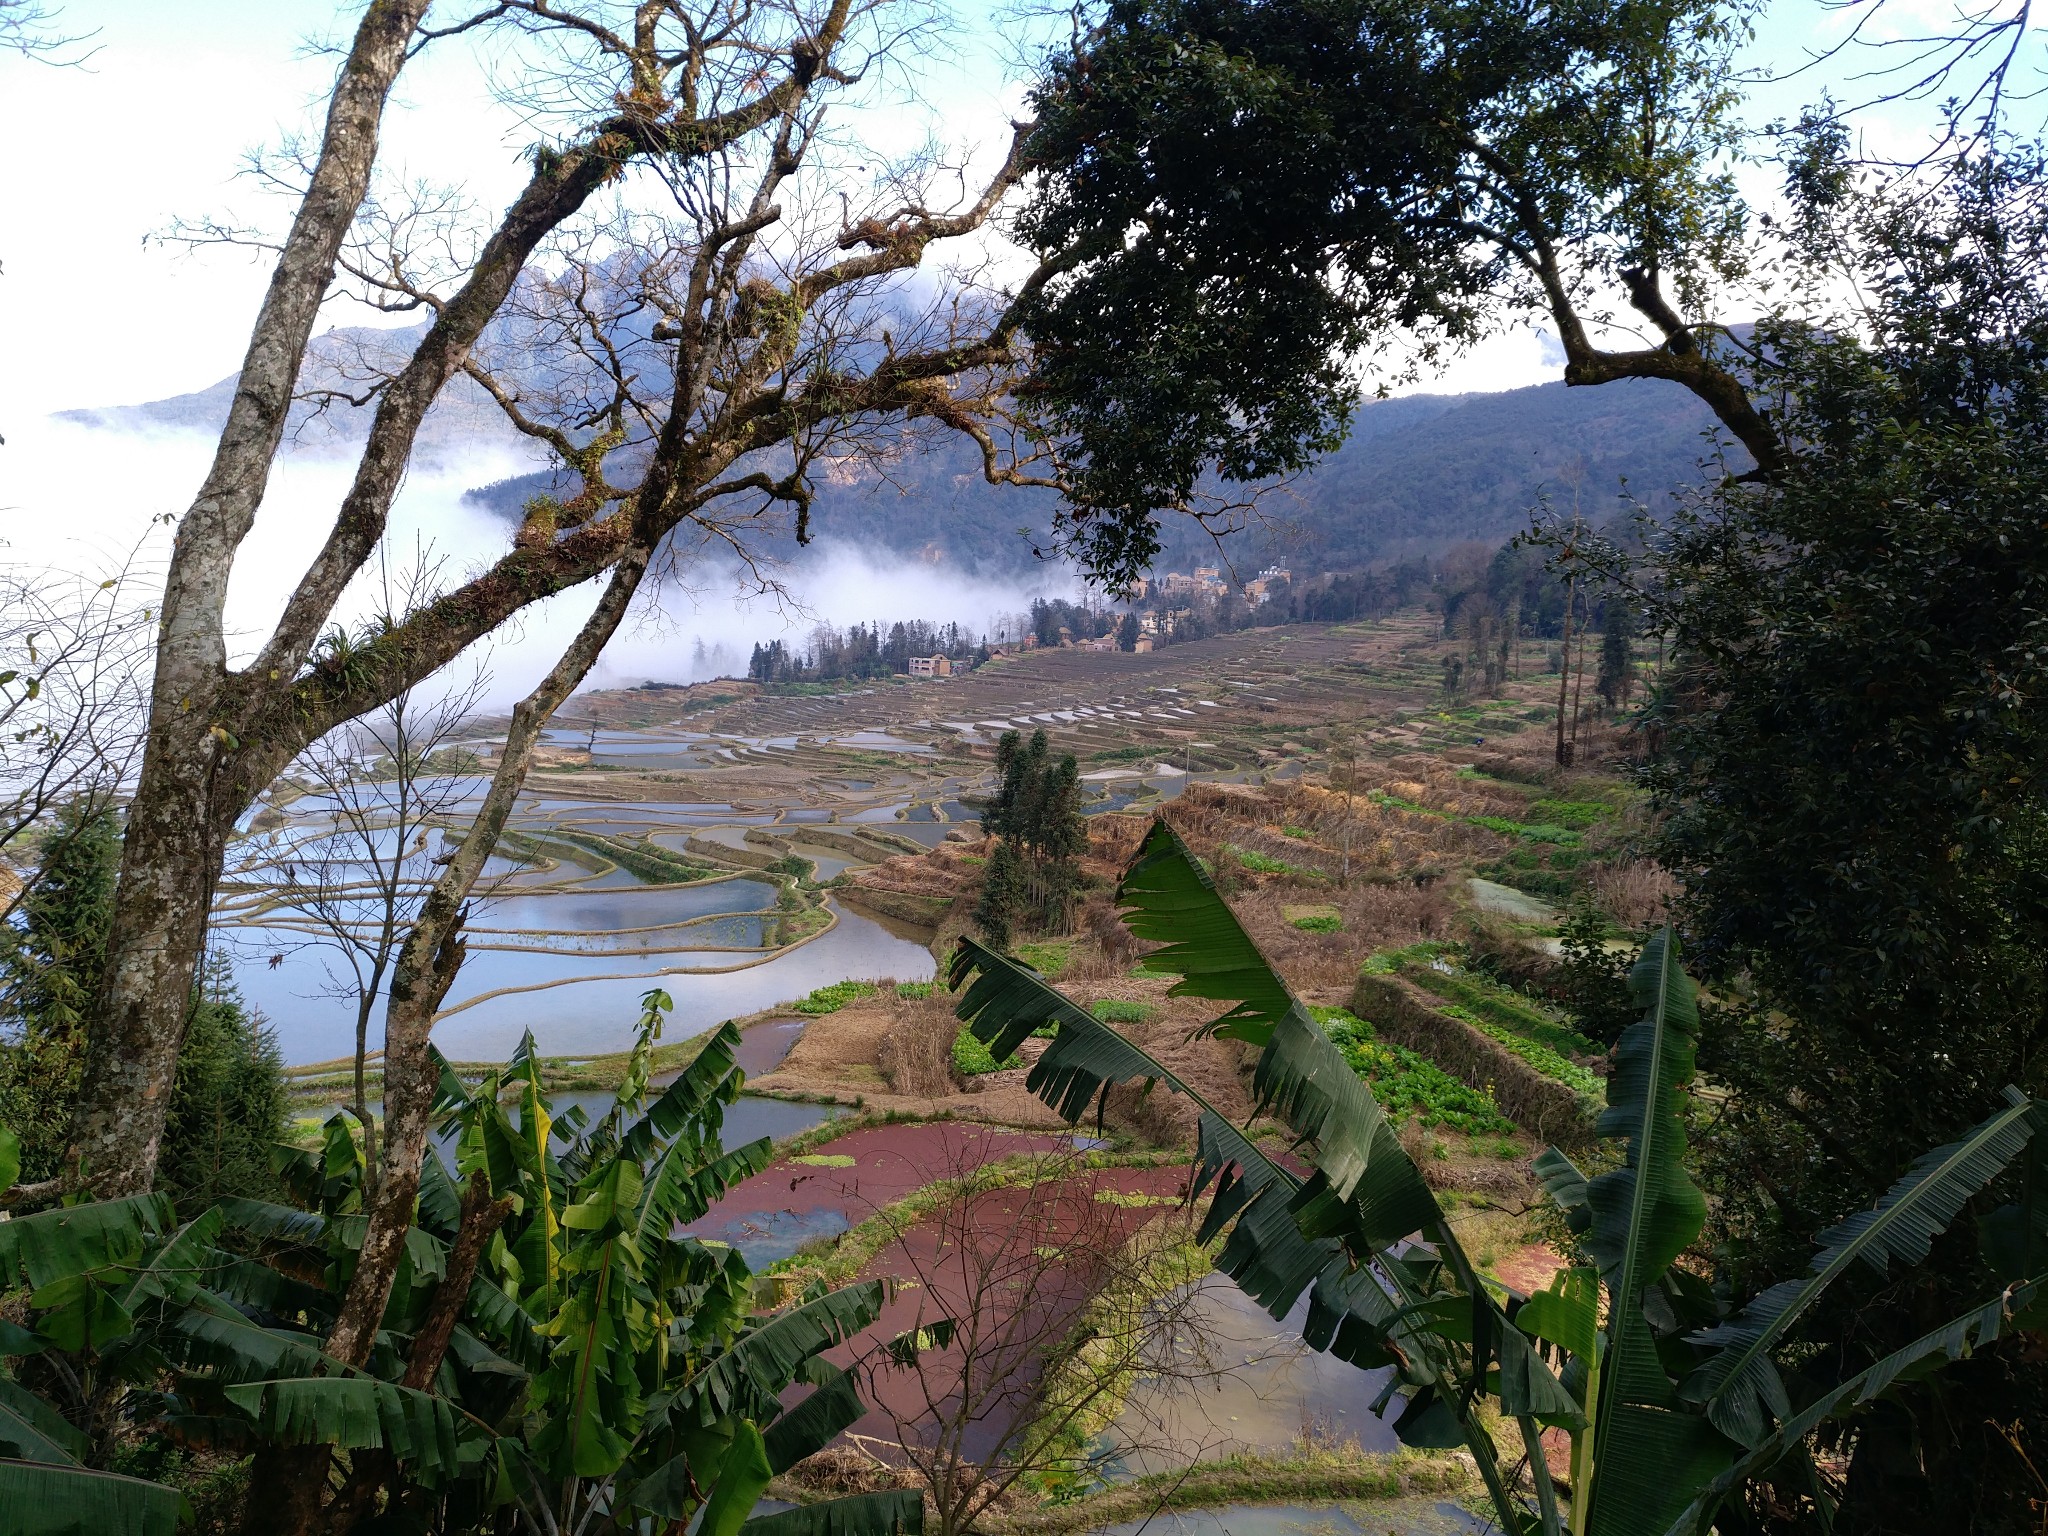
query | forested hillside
[1418, 474]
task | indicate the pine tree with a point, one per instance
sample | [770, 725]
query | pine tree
[228, 1106]
[1617, 676]
[1036, 815]
[1001, 894]
[228, 1103]
[49, 970]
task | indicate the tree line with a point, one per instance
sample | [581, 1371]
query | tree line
[864, 651]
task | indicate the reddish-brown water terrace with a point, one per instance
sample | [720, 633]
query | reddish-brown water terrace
[1015, 1268]
[771, 1215]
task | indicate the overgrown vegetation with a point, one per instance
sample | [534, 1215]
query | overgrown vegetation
[1407, 1084]
[545, 1301]
[834, 996]
[1031, 880]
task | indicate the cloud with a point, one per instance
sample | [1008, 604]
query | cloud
[85, 499]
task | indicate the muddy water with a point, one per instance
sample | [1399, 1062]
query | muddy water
[581, 1002]
[1265, 1390]
[771, 1215]
[1396, 1517]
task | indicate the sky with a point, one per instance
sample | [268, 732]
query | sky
[98, 308]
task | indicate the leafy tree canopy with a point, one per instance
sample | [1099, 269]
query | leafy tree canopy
[1245, 197]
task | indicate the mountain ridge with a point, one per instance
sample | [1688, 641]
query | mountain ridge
[1417, 474]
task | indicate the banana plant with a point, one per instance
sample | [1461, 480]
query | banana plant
[1672, 1404]
[554, 1357]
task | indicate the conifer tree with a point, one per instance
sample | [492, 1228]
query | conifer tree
[49, 969]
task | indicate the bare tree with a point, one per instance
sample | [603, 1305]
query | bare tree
[72, 649]
[1039, 1303]
[691, 370]
[33, 30]
[351, 883]
[1343, 774]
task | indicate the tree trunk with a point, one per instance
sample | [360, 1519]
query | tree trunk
[481, 1216]
[426, 967]
[181, 814]
[1564, 681]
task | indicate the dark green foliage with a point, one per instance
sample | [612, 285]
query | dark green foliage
[1704, 1410]
[228, 1106]
[973, 1059]
[1407, 1083]
[1850, 771]
[602, 1365]
[1248, 195]
[1002, 895]
[1592, 980]
[50, 960]
[1616, 680]
[1030, 882]
[228, 1102]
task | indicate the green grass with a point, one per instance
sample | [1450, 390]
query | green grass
[1263, 864]
[1113, 1010]
[825, 1160]
[1048, 957]
[1388, 961]
[1320, 922]
[1408, 1084]
[1496, 1004]
[914, 989]
[656, 866]
[831, 999]
[1541, 1057]
[971, 1057]
[1575, 814]
[1528, 832]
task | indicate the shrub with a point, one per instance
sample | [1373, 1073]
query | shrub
[972, 1058]
[1507, 1010]
[1263, 864]
[1114, 1010]
[1406, 1083]
[228, 1103]
[832, 998]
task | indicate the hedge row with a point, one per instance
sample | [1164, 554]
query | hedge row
[1540, 1105]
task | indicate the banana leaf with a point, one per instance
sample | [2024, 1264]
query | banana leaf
[1286, 1236]
[1643, 1215]
[762, 1362]
[205, 1331]
[741, 1478]
[1739, 1384]
[711, 1078]
[45, 1500]
[684, 1187]
[79, 1239]
[31, 1430]
[355, 1412]
[1174, 903]
[170, 1270]
[2021, 1306]
[812, 1423]
[899, 1512]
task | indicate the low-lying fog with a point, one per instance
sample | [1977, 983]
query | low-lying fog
[87, 500]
